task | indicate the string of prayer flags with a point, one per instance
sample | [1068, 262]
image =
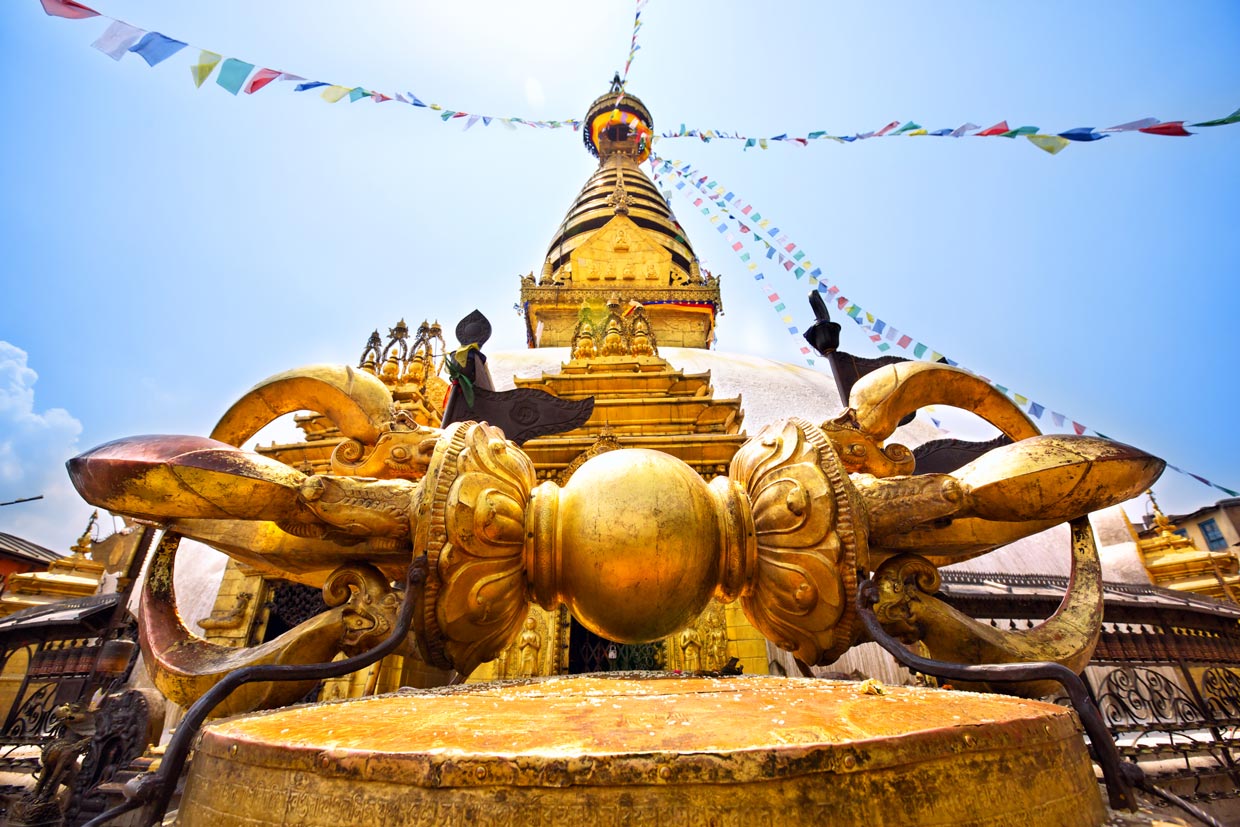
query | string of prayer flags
[724, 209]
[633, 47]
[234, 75]
[1051, 142]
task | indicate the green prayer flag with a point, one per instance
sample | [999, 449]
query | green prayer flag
[1234, 117]
[919, 351]
[1016, 133]
[906, 128]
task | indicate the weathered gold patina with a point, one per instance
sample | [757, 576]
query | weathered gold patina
[639, 750]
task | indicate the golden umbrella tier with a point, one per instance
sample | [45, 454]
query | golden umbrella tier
[641, 749]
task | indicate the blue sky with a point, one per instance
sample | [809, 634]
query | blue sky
[166, 247]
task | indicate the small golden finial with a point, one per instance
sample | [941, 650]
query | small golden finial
[83, 544]
[370, 354]
[1165, 526]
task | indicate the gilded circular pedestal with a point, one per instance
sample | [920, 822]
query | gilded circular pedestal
[642, 749]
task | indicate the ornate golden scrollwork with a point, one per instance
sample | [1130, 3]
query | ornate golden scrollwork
[809, 542]
[908, 609]
[397, 454]
[635, 544]
[471, 525]
[368, 602]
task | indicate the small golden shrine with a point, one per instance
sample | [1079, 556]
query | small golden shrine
[1173, 562]
[74, 575]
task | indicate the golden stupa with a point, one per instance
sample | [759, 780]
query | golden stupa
[656, 522]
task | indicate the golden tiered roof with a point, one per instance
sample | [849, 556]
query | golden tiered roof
[409, 368]
[620, 237]
[1173, 562]
[74, 575]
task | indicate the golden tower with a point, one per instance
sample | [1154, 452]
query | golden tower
[620, 240]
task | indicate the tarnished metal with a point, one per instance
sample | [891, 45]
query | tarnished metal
[1120, 776]
[644, 750]
[907, 608]
[154, 792]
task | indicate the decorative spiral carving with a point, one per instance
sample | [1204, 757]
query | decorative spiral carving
[899, 579]
[472, 525]
[371, 605]
[349, 452]
[802, 593]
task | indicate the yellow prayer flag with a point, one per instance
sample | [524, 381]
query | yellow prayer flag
[207, 61]
[1050, 143]
[916, 132]
[1020, 400]
[334, 93]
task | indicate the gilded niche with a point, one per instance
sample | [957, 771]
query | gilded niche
[621, 251]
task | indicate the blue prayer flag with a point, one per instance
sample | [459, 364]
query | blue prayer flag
[233, 74]
[1082, 133]
[312, 84]
[941, 132]
[1036, 409]
[156, 48]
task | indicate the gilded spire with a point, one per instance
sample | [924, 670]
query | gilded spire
[620, 236]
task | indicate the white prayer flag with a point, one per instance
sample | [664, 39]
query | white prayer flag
[117, 39]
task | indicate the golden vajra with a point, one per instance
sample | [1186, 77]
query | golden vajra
[635, 544]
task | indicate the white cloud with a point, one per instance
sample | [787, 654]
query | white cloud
[34, 446]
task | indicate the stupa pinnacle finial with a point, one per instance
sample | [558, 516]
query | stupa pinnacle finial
[618, 123]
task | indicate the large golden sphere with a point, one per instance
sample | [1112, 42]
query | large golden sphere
[635, 564]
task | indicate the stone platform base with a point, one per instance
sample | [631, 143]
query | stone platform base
[649, 749]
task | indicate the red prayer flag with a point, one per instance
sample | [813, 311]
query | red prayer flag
[1078, 427]
[774, 297]
[905, 341]
[68, 9]
[1173, 128]
[842, 302]
[260, 79]
[997, 129]
[880, 133]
